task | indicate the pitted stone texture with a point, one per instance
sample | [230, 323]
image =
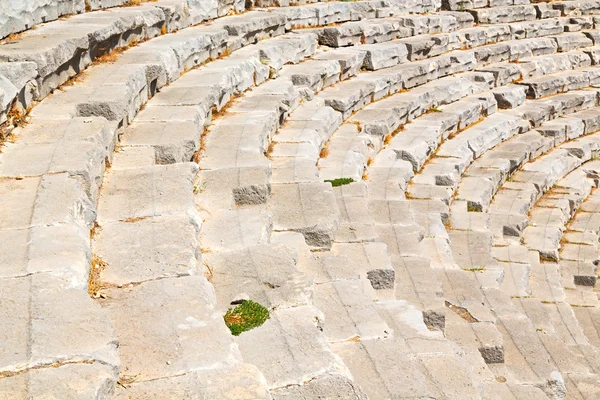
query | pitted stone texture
[46, 200]
[17, 17]
[368, 261]
[236, 229]
[233, 186]
[173, 142]
[78, 147]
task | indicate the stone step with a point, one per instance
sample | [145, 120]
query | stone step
[325, 13]
[308, 208]
[324, 386]
[57, 331]
[159, 323]
[511, 154]
[217, 382]
[265, 273]
[290, 348]
[148, 249]
[147, 192]
[349, 312]
[500, 14]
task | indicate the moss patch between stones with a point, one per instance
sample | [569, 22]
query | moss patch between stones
[340, 181]
[245, 316]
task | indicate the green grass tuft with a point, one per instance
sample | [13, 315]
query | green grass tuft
[340, 181]
[245, 316]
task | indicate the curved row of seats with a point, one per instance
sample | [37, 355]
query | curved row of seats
[185, 176]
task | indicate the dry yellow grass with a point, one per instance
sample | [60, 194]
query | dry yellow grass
[94, 283]
[270, 150]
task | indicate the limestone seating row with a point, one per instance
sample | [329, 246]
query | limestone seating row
[220, 241]
[513, 329]
[268, 111]
[487, 173]
[518, 293]
[457, 153]
[67, 63]
[237, 245]
[454, 28]
[580, 243]
[551, 301]
[139, 143]
[384, 117]
[483, 344]
[73, 225]
[404, 6]
[334, 246]
[551, 220]
[116, 96]
[510, 206]
[503, 8]
[217, 242]
[43, 59]
[282, 167]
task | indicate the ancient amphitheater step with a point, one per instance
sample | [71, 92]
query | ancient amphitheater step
[273, 199]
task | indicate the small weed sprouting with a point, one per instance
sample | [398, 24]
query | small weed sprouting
[245, 316]
[340, 181]
[475, 269]
[471, 207]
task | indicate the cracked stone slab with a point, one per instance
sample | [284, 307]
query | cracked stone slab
[147, 249]
[233, 187]
[383, 369]
[349, 313]
[61, 249]
[369, 261]
[69, 381]
[160, 323]
[238, 381]
[48, 321]
[328, 386]
[173, 142]
[46, 200]
[266, 274]
[290, 349]
[78, 147]
[236, 229]
[308, 208]
[147, 191]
